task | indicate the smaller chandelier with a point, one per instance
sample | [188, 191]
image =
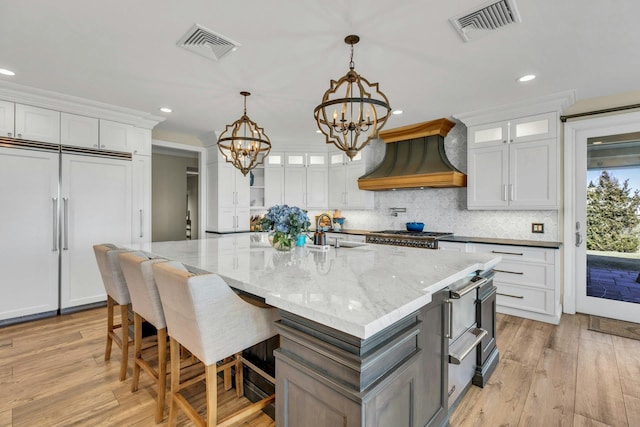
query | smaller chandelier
[349, 115]
[245, 144]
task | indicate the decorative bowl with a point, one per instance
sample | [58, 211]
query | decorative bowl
[415, 226]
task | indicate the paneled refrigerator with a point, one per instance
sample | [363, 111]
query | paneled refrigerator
[56, 202]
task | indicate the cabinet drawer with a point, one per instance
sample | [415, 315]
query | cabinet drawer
[530, 299]
[530, 274]
[519, 253]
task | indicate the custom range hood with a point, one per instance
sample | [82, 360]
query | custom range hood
[414, 158]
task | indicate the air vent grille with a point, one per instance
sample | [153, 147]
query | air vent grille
[488, 17]
[207, 43]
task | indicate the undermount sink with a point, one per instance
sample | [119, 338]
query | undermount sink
[347, 243]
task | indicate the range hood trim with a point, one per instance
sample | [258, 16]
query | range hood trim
[414, 140]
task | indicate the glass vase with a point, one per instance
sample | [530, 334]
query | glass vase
[281, 241]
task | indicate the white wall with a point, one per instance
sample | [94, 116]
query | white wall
[445, 209]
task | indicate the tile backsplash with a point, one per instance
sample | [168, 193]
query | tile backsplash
[444, 209]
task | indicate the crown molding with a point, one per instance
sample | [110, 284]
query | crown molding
[75, 105]
[557, 102]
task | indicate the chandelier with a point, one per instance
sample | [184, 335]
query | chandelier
[245, 144]
[349, 115]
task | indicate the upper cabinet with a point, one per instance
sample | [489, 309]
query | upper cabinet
[7, 113]
[514, 163]
[343, 182]
[140, 140]
[305, 180]
[79, 131]
[115, 136]
[37, 124]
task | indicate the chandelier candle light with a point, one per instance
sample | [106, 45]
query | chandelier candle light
[352, 120]
[243, 143]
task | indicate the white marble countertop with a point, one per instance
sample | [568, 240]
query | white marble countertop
[359, 291]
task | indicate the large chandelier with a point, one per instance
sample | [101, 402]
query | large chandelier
[245, 144]
[349, 115]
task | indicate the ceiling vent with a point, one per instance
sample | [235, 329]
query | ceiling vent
[207, 43]
[490, 16]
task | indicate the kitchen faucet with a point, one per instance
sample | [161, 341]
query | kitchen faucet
[319, 238]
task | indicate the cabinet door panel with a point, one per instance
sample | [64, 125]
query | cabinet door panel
[273, 186]
[115, 136]
[29, 262]
[243, 190]
[141, 218]
[337, 187]
[98, 210]
[295, 186]
[488, 135]
[140, 140]
[533, 175]
[79, 131]
[317, 188]
[533, 128]
[37, 124]
[7, 118]
[488, 175]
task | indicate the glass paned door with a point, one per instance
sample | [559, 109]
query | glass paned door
[608, 213]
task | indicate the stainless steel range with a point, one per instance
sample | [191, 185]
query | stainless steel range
[422, 239]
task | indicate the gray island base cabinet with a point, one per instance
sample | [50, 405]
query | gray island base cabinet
[395, 378]
[362, 338]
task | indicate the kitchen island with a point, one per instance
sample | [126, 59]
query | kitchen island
[361, 329]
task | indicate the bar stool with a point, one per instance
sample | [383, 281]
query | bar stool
[117, 294]
[204, 315]
[146, 304]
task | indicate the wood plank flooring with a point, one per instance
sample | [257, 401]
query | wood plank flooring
[52, 373]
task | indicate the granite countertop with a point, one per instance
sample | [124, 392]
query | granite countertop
[359, 291]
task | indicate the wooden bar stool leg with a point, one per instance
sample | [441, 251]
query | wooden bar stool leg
[211, 384]
[124, 321]
[239, 375]
[227, 374]
[137, 350]
[175, 382]
[162, 373]
[107, 350]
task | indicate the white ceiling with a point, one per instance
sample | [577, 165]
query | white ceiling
[124, 52]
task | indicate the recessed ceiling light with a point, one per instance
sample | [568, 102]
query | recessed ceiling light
[397, 112]
[527, 78]
[166, 110]
[7, 72]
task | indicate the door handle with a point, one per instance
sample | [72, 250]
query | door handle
[449, 319]
[141, 232]
[65, 205]
[55, 224]
[504, 192]
[511, 193]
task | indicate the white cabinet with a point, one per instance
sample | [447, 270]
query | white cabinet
[306, 180]
[79, 131]
[115, 136]
[228, 195]
[140, 140]
[141, 199]
[514, 164]
[274, 180]
[95, 208]
[37, 124]
[257, 187]
[343, 191]
[7, 121]
[527, 279]
[29, 243]
[453, 246]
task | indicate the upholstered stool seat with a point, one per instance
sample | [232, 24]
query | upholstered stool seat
[207, 317]
[117, 294]
[146, 304]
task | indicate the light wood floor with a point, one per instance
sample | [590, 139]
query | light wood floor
[52, 373]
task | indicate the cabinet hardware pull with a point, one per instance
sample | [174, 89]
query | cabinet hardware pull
[456, 355]
[511, 193]
[65, 204]
[510, 296]
[9, 134]
[507, 271]
[449, 317]
[506, 253]
[19, 135]
[504, 191]
[454, 387]
[475, 283]
[55, 224]
[141, 233]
